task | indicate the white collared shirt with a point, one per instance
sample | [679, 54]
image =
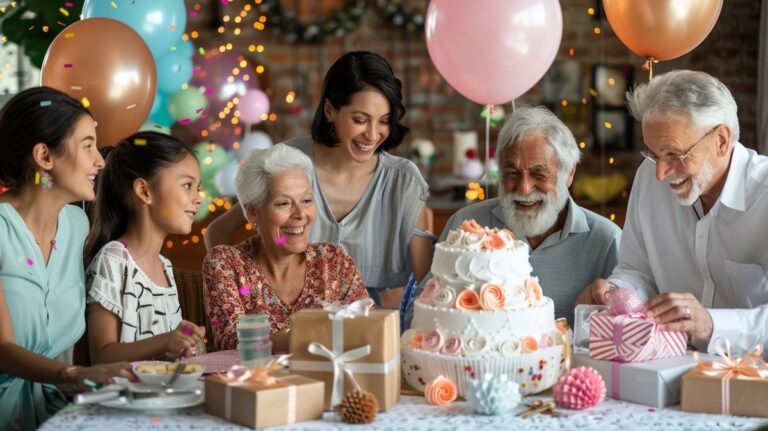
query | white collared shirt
[721, 257]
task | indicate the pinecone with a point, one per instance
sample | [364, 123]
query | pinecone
[358, 407]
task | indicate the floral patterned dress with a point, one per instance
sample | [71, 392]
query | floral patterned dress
[235, 284]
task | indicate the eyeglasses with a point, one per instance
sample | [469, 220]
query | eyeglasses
[674, 159]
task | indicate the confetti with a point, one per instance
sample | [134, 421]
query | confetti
[68, 66]
[165, 212]
[69, 4]
[64, 11]
[45, 103]
[37, 178]
[114, 5]
[45, 29]
[224, 2]
[30, 262]
[199, 110]
[280, 240]
[192, 14]
[245, 290]
[86, 103]
[75, 87]
[69, 35]
[187, 331]
[185, 121]
[172, 26]
[130, 106]
[173, 49]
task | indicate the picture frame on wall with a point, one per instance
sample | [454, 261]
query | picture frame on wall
[562, 82]
[611, 84]
[613, 129]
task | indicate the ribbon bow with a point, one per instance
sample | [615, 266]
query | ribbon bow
[750, 365]
[340, 362]
[361, 307]
[238, 374]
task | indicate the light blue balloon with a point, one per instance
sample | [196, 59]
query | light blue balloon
[173, 70]
[186, 47]
[159, 113]
[159, 22]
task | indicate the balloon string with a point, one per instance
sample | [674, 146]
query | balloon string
[650, 69]
[487, 175]
[513, 105]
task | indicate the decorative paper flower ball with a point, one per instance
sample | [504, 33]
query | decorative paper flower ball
[624, 301]
[492, 395]
[581, 388]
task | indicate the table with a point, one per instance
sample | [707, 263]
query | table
[413, 413]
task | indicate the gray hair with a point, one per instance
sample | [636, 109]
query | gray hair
[262, 166]
[705, 100]
[538, 119]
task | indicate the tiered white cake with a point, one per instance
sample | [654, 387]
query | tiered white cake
[482, 312]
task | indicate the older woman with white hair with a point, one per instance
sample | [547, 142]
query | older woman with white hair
[278, 271]
[694, 238]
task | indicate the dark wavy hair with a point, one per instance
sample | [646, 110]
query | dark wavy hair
[141, 155]
[36, 115]
[352, 73]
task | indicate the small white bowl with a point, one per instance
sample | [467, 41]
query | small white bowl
[155, 373]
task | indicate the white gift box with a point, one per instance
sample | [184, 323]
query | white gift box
[653, 383]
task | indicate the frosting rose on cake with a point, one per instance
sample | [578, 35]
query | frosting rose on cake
[533, 288]
[452, 347]
[441, 391]
[432, 341]
[509, 347]
[472, 241]
[472, 226]
[406, 340]
[529, 344]
[494, 241]
[443, 297]
[547, 340]
[468, 300]
[432, 285]
[492, 297]
[475, 346]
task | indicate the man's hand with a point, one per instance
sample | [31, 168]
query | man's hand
[595, 292]
[681, 312]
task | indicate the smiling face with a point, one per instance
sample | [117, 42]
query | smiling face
[74, 171]
[363, 125]
[674, 136]
[532, 194]
[176, 197]
[284, 217]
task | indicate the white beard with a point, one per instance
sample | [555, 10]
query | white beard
[537, 222]
[697, 185]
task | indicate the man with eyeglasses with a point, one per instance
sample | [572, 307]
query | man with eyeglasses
[570, 245]
[695, 240]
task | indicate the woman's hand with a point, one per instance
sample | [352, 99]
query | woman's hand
[183, 340]
[78, 379]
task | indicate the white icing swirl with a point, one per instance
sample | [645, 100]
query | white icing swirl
[475, 346]
[509, 347]
[443, 297]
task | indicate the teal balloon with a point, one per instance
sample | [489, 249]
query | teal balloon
[211, 157]
[159, 113]
[187, 105]
[149, 126]
[160, 23]
[186, 47]
[174, 69]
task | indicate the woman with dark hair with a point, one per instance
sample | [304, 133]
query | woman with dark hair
[149, 189]
[368, 201]
[49, 158]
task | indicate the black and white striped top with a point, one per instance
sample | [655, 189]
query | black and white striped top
[115, 281]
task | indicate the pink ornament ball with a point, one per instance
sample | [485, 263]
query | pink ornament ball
[581, 388]
[624, 301]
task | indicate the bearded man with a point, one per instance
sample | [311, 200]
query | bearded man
[695, 235]
[537, 156]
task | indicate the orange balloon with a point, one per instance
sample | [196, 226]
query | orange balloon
[106, 65]
[662, 29]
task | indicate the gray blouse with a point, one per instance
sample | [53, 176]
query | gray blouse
[377, 231]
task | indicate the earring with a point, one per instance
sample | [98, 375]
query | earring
[43, 179]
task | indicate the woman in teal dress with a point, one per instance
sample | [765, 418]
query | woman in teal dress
[48, 158]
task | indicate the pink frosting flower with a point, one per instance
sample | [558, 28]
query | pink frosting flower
[533, 289]
[492, 297]
[468, 300]
[547, 340]
[452, 347]
[472, 226]
[432, 341]
[429, 290]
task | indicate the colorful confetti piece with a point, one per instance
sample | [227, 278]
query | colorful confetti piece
[69, 4]
[280, 240]
[69, 35]
[245, 290]
[30, 262]
[45, 103]
[75, 87]
[86, 103]
[114, 5]
[172, 26]
[187, 331]
[199, 110]
[37, 178]
[163, 212]
[68, 66]
[130, 106]
[185, 121]
[64, 11]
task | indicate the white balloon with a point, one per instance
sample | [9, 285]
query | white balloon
[257, 140]
[224, 180]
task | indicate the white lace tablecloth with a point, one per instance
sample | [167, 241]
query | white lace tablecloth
[413, 413]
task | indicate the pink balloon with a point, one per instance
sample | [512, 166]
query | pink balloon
[493, 51]
[253, 104]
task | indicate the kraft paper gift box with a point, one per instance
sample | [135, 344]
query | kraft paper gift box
[329, 345]
[653, 383]
[631, 337]
[727, 386]
[288, 399]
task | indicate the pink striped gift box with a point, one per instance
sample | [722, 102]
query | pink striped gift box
[631, 338]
